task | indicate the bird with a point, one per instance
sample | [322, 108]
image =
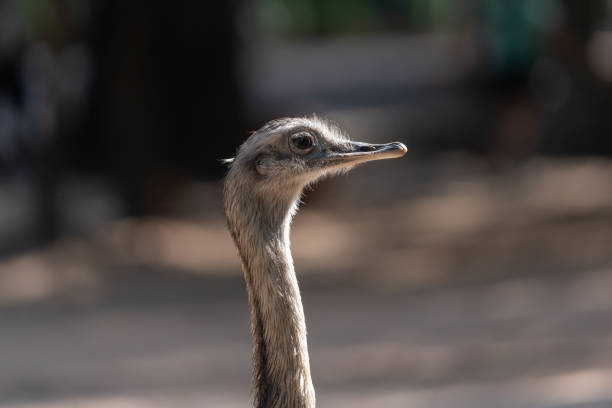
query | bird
[261, 194]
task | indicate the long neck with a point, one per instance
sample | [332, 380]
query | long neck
[280, 354]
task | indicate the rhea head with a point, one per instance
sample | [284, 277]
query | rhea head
[277, 161]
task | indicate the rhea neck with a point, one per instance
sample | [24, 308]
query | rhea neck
[260, 224]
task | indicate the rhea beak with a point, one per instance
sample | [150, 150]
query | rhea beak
[353, 153]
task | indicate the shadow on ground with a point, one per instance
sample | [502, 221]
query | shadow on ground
[490, 290]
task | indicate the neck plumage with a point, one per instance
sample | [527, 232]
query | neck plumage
[280, 355]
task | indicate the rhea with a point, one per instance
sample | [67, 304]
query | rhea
[261, 194]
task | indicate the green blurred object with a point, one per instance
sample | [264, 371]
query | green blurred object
[51, 19]
[303, 18]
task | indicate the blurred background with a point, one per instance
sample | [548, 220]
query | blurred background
[475, 272]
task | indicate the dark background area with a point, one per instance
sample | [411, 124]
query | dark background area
[147, 96]
[474, 272]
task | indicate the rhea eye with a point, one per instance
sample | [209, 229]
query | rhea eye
[302, 142]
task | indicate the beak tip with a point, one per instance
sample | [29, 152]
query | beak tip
[400, 148]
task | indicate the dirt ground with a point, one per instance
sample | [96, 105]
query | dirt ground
[463, 288]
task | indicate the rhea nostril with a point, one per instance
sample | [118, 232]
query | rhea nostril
[367, 148]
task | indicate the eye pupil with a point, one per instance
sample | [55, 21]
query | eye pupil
[303, 142]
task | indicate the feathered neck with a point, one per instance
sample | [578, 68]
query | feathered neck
[260, 229]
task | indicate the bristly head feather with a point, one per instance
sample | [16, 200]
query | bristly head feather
[228, 161]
